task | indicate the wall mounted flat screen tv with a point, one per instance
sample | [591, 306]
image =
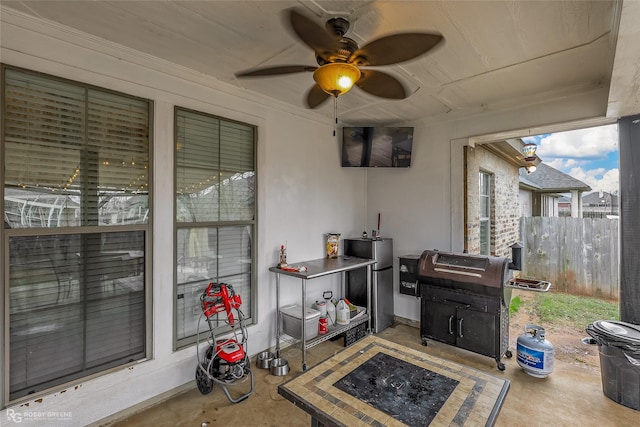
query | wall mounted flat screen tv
[377, 146]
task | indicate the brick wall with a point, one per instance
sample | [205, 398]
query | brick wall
[505, 208]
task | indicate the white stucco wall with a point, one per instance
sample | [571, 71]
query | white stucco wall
[302, 192]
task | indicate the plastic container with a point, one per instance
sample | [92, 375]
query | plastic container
[322, 307]
[331, 313]
[343, 314]
[291, 318]
[619, 348]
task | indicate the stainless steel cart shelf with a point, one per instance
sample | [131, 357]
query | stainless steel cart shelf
[333, 332]
[319, 268]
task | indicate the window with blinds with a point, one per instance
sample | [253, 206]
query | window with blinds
[484, 198]
[76, 223]
[215, 213]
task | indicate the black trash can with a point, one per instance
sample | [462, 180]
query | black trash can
[619, 347]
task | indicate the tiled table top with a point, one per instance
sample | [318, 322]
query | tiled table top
[375, 382]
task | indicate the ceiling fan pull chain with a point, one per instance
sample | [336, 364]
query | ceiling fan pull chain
[335, 115]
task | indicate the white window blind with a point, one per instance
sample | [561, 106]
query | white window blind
[75, 148]
[215, 212]
[76, 306]
[75, 158]
[485, 212]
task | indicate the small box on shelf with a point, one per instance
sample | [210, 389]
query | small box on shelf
[356, 312]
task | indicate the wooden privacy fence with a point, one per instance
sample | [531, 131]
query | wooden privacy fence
[577, 255]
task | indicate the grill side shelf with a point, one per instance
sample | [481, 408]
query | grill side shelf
[529, 284]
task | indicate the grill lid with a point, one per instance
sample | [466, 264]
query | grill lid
[486, 271]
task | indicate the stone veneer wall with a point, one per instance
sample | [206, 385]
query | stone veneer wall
[505, 204]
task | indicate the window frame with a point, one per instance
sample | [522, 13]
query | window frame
[482, 197]
[83, 229]
[180, 343]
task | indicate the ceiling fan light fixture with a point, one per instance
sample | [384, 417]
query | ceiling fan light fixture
[336, 78]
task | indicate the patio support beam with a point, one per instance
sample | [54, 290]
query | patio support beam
[629, 133]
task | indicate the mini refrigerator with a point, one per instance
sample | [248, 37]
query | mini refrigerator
[380, 250]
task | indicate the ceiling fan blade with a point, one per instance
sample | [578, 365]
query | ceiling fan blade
[312, 34]
[280, 69]
[316, 96]
[381, 84]
[396, 48]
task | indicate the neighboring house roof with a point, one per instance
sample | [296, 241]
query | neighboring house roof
[599, 199]
[549, 180]
[527, 184]
[564, 199]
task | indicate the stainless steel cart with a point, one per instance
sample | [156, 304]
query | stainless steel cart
[319, 268]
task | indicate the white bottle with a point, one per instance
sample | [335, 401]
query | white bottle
[321, 306]
[343, 315]
[331, 313]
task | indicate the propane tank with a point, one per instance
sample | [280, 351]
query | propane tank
[535, 353]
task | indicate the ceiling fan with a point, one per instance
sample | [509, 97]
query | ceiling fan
[339, 59]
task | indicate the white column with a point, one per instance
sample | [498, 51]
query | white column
[580, 201]
[576, 204]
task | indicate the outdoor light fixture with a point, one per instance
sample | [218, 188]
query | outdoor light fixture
[336, 78]
[530, 168]
[529, 151]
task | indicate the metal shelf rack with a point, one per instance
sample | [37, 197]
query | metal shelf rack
[319, 268]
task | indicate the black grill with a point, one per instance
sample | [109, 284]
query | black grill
[465, 302]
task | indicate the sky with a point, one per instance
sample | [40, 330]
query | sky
[590, 155]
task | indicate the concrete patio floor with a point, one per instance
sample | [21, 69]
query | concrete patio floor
[571, 396]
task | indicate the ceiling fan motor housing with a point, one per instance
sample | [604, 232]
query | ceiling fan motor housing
[337, 25]
[344, 50]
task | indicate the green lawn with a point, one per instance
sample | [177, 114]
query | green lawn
[572, 310]
[516, 303]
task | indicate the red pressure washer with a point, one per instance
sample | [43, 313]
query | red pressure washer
[225, 360]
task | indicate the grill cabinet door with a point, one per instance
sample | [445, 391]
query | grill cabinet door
[465, 320]
[437, 318]
[438, 322]
[476, 331]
